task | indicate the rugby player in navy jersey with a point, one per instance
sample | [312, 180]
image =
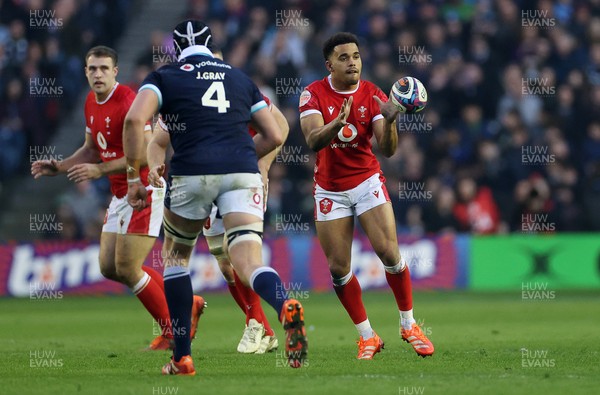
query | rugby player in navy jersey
[214, 159]
[258, 336]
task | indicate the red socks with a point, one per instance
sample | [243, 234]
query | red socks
[152, 296]
[350, 294]
[156, 276]
[239, 299]
[251, 300]
[402, 288]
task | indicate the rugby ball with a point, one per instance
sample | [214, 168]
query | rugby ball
[409, 95]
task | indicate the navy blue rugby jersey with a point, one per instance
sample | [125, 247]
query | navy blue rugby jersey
[206, 106]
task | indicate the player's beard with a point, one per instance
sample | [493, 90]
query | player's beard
[352, 79]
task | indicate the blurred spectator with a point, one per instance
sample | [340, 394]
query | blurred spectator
[535, 210]
[497, 86]
[14, 112]
[517, 97]
[438, 217]
[475, 209]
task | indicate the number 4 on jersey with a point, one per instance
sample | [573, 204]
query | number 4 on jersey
[220, 103]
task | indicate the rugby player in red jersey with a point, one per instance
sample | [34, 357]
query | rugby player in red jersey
[339, 115]
[127, 235]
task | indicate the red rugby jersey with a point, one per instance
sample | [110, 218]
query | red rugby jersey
[104, 121]
[348, 159]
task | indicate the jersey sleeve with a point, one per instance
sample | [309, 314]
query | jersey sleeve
[384, 98]
[309, 103]
[153, 82]
[87, 115]
[258, 101]
[129, 98]
[268, 101]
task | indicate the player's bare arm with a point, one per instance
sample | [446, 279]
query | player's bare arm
[269, 136]
[385, 129]
[264, 164]
[156, 153]
[92, 171]
[142, 109]
[317, 134]
[87, 153]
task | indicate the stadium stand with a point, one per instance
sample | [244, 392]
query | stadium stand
[511, 129]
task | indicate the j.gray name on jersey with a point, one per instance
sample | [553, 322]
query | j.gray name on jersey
[210, 75]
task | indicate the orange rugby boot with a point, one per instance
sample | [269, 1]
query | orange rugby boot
[368, 348]
[185, 367]
[416, 338]
[296, 344]
[161, 342]
[197, 309]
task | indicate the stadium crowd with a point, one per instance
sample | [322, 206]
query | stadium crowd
[510, 137]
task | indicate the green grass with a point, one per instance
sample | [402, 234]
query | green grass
[478, 337]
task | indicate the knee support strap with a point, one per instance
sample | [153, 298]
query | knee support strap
[178, 235]
[249, 232]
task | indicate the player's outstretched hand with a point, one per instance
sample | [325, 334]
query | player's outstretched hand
[155, 176]
[47, 167]
[136, 195]
[83, 172]
[345, 110]
[388, 109]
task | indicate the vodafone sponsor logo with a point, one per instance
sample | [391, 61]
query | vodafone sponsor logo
[346, 134]
[101, 140]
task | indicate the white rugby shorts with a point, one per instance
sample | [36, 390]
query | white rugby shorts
[335, 205]
[121, 218]
[192, 197]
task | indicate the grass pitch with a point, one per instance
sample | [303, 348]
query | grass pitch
[486, 343]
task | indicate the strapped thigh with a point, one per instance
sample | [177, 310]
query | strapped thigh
[178, 235]
[249, 232]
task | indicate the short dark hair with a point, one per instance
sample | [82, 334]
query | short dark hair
[102, 51]
[338, 39]
[216, 49]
